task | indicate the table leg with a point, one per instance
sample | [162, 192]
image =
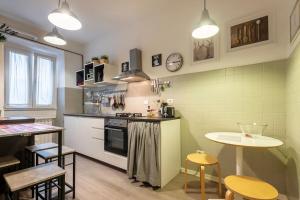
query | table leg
[59, 156]
[239, 160]
[61, 181]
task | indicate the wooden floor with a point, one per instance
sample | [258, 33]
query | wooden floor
[95, 181]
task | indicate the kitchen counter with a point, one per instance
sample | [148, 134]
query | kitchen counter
[147, 119]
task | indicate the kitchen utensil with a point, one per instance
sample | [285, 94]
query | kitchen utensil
[119, 101]
[123, 100]
[114, 104]
[121, 104]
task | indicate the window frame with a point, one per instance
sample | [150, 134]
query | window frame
[32, 53]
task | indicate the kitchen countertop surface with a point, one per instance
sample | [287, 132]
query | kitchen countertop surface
[150, 119]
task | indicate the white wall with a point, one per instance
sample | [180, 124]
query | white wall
[168, 30]
[73, 63]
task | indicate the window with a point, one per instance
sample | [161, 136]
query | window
[18, 79]
[30, 79]
[44, 87]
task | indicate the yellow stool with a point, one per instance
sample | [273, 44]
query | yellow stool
[203, 160]
[249, 188]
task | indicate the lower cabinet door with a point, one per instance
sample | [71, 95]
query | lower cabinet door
[85, 135]
[70, 132]
[96, 148]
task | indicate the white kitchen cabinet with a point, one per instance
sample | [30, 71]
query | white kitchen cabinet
[85, 135]
[170, 150]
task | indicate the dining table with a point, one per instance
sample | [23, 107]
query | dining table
[30, 130]
[241, 141]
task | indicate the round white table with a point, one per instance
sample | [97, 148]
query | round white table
[239, 140]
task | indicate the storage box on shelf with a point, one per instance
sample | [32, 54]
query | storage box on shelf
[89, 72]
[96, 75]
[80, 78]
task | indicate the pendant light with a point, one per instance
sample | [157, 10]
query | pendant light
[64, 18]
[207, 27]
[55, 38]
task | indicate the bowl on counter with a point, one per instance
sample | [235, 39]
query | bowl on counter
[254, 128]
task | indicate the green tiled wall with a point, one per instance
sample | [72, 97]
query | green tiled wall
[217, 100]
[293, 125]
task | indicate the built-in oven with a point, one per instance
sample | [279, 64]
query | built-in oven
[116, 136]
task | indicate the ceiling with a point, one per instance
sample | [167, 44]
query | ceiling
[97, 16]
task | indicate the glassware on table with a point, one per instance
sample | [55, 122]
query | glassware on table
[249, 129]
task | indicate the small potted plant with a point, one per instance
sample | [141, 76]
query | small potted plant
[104, 59]
[2, 38]
[95, 60]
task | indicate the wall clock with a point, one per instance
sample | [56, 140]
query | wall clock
[174, 62]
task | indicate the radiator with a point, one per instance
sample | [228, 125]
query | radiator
[40, 139]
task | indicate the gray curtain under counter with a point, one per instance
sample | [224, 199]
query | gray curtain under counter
[144, 152]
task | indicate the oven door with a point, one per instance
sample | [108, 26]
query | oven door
[116, 140]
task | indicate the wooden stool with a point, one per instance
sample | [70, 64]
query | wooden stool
[203, 160]
[34, 176]
[51, 155]
[31, 150]
[9, 161]
[7, 164]
[249, 188]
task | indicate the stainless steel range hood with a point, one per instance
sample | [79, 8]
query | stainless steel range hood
[135, 72]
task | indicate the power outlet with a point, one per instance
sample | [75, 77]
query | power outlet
[146, 102]
[170, 101]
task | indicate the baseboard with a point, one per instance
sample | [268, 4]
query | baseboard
[101, 162]
[215, 179]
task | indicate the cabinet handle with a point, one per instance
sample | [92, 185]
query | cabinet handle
[97, 138]
[97, 128]
[114, 129]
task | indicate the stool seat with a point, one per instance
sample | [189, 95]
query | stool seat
[53, 153]
[251, 188]
[31, 176]
[8, 161]
[40, 147]
[202, 159]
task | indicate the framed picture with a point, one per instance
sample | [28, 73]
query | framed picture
[156, 60]
[204, 49]
[250, 31]
[295, 21]
[125, 67]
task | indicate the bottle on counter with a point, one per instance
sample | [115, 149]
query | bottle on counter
[150, 112]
